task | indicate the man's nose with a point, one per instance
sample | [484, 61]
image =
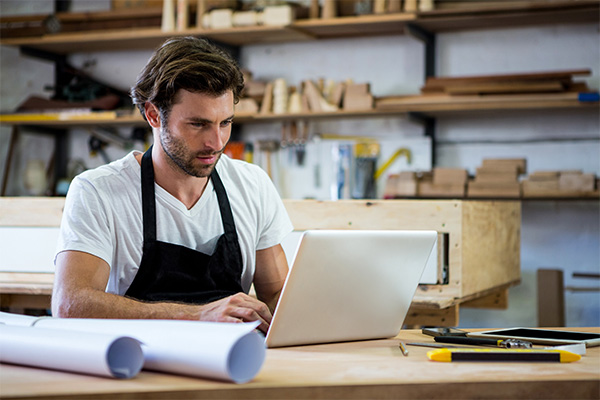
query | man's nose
[216, 138]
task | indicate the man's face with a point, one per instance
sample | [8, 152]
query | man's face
[197, 130]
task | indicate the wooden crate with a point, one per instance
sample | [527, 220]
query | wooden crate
[482, 239]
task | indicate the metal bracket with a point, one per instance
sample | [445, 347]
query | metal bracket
[428, 40]
[428, 124]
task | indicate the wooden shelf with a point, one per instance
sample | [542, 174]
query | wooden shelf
[432, 105]
[444, 104]
[564, 198]
[444, 20]
[367, 25]
[528, 13]
[550, 196]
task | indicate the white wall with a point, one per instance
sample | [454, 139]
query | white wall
[563, 234]
[554, 234]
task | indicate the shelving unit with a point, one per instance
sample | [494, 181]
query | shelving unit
[436, 21]
[422, 25]
[428, 105]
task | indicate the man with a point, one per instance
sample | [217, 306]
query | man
[181, 231]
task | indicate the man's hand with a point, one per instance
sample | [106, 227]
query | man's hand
[237, 308]
[80, 280]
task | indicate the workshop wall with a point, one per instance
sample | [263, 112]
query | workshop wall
[563, 234]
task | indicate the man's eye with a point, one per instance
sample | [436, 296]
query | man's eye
[227, 123]
[198, 124]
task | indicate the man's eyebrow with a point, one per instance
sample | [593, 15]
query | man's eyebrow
[205, 120]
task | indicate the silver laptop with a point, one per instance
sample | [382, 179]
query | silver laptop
[349, 285]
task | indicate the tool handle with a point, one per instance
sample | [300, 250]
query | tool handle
[467, 340]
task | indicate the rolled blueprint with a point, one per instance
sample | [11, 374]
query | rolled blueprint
[89, 353]
[224, 351]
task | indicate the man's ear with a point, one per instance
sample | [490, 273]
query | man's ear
[152, 115]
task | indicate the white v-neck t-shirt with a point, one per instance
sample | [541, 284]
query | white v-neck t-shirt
[103, 217]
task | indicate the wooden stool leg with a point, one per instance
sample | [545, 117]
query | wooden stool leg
[550, 298]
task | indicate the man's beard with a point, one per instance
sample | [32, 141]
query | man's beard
[180, 157]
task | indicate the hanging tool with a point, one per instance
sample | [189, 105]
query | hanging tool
[401, 151]
[366, 154]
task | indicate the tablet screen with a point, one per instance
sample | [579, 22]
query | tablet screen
[544, 334]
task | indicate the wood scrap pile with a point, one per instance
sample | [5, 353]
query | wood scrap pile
[559, 184]
[439, 183]
[498, 177]
[309, 97]
[403, 184]
[495, 178]
[527, 83]
[62, 22]
[444, 182]
[489, 92]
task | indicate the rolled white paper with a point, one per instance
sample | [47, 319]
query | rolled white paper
[225, 351]
[82, 352]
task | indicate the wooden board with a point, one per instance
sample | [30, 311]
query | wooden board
[511, 87]
[524, 83]
[31, 211]
[498, 78]
[374, 369]
[450, 176]
[491, 245]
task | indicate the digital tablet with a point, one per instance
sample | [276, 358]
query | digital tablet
[542, 336]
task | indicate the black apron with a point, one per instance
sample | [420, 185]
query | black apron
[171, 272]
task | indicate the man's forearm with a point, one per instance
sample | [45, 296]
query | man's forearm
[91, 303]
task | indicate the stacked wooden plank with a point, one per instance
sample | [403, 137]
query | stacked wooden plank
[38, 25]
[542, 82]
[445, 182]
[558, 184]
[490, 92]
[498, 178]
[403, 184]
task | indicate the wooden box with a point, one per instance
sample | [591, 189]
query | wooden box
[478, 244]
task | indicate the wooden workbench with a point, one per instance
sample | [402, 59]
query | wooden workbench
[356, 370]
[478, 248]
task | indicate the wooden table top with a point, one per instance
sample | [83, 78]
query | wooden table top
[367, 369]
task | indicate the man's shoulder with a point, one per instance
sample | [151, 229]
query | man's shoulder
[115, 173]
[236, 169]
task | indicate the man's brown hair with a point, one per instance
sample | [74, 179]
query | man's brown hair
[187, 63]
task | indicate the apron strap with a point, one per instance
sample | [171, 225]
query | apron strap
[148, 201]
[224, 206]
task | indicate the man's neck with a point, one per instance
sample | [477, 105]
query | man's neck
[185, 188]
